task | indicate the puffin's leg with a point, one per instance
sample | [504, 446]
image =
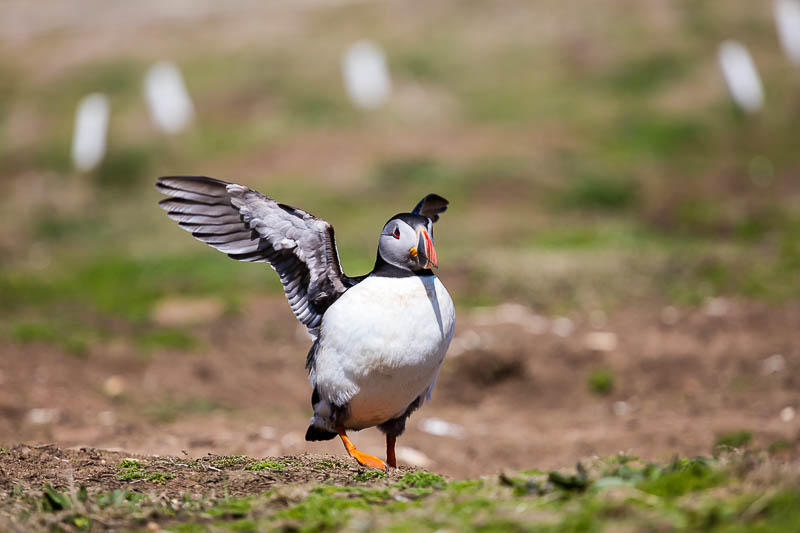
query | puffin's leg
[363, 459]
[390, 458]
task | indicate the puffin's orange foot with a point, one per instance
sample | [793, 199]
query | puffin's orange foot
[364, 459]
[370, 461]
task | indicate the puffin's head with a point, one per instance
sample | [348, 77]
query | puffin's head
[406, 242]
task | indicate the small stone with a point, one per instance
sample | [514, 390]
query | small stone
[105, 418]
[41, 416]
[788, 413]
[536, 324]
[187, 311]
[114, 386]
[622, 408]
[717, 307]
[267, 432]
[290, 440]
[773, 364]
[442, 428]
[670, 315]
[412, 457]
[601, 341]
[563, 327]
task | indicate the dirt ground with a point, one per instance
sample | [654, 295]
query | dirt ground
[514, 392]
[232, 475]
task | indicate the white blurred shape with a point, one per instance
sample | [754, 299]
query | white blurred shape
[167, 98]
[788, 413]
[442, 428]
[366, 76]
[601, 341]
[741, 76]
[105, 418]
[290, 440]
[42, 415]
[622, 408]
[412, 456]
[773, 364]
[114, 386]
[670, 315]
[787, 20]
[267, 432]
[563, 326]
[91, 128]
[717, 307]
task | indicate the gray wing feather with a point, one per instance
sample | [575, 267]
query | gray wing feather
[249, 226]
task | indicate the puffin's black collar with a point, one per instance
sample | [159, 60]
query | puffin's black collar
[387, 270]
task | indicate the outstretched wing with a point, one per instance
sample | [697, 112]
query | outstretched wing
[431, 206]
[249, 226]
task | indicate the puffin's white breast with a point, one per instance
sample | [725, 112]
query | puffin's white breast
[381, 345]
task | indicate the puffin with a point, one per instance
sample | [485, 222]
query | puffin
[378, 340]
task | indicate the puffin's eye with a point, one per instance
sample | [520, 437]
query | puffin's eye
[396, 233]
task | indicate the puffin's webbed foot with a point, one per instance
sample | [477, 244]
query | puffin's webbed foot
[364, 459]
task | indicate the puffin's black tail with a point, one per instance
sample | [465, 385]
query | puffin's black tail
[315, 433]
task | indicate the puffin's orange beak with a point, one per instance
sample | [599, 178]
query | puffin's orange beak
[427, 253]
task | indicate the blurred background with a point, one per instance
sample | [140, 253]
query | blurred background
[622, 243]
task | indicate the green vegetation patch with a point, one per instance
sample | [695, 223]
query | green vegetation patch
[423, 480]
[644, 75]
[600, 381]
[169, 338]
[369, 475]
[25, 332]
[680, 477]
[735, 439]
[228, 461]
[131, 469]
[734, 492]
[273, 466]
[599, 192]
[332, 507]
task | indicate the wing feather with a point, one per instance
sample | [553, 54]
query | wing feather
[249, 226]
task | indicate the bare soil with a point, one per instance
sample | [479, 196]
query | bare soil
[515, 386]
[31, 467]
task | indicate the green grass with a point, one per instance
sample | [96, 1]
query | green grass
[71, 337]
[273, 466]
[722, 495]
[600, 381]
[228, 461]
[599, 193]
[131, 469]
[170, 338]
[735, 439]
[369, 475]
[25, 332]
[422, 480]
[680, 477]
